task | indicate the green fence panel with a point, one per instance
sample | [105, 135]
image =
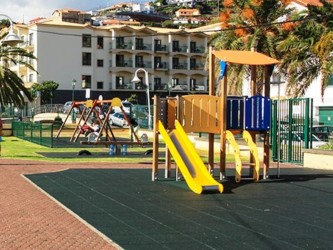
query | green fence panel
[291, 129]
[38, 133]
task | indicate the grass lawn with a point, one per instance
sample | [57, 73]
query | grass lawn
[15, 148]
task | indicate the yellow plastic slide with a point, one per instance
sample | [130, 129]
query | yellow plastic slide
[188, 161]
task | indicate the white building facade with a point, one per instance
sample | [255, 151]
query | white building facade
[104, 59]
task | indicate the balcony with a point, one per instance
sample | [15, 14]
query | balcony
[161, 66]
[127, 63]
[124, 46]
[197, 66]
[144, 64]
[180, 87]
[161, 48]
[124, 86]
[145, 47]
[182, 49]
[197, 50]
[179, 66]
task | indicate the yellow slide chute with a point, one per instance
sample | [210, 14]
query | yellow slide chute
[188, 161]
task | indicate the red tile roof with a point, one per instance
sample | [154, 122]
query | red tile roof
[311, 2]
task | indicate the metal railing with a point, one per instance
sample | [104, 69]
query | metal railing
[38, 133]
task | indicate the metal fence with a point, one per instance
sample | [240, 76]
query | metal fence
[38, 133]
[291, 129]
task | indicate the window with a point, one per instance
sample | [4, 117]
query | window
[119, 41]
[86, 59]
[100, 62]
[139, 61]
[175, 81]
[193, 83]
[100, 42]
[86, 82]
[31, 39]
[100, 85]
[86, 41]
[193, 47]
[330, 80]
[175, 46]
[120, 61]
[31, 77]
[193, 63]
[119, 82]
[175, 62]
[157, 83]
[158, 62]
[139, 43]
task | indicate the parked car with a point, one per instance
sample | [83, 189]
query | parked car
[298, 138]
[127, 107]
[118, 119]
[323, 132]
[67, 107]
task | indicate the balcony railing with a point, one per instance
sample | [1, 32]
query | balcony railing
[197, 50]
[180, 87]
[161, 48]
[161, 65]
[143, 47]
[124, 46]
[144, 64]
[197, 66]
[127, 85]
[179, 66]
[126, 63]
[180, 49]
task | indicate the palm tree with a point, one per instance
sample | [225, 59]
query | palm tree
[249, 25]
[308, 50]
[11, 85]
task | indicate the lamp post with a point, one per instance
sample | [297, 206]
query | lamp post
[276, 79]
[11, 39]
[73, 90]
[169, 88]
[136, 79]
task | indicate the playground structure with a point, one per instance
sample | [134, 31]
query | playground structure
[96, 109]
[226, 116]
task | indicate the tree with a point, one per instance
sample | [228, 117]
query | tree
[249, 25]
[307, 50]
[46, 90]
[11, 85]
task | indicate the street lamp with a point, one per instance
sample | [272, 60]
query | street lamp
[276, 79]
[136, 79]
[11, 39]
[73, 90]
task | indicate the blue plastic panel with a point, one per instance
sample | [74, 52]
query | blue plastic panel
[235, 112]
[257, 113]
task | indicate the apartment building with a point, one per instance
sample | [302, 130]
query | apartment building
[104, 59]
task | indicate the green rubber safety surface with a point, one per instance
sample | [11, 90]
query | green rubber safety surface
[293, 212]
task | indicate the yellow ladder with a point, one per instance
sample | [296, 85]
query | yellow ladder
[238, 162]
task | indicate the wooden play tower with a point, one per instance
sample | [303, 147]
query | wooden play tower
[213, 114]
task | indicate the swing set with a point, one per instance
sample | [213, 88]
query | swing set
[95, 109]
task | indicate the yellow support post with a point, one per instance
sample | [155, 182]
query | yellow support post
[231, 139]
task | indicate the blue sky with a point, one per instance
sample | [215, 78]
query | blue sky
[25, 10]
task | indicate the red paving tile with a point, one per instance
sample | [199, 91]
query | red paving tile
[32, 220]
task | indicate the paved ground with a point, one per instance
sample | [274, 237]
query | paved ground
[32, 220]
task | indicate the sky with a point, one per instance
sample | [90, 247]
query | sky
[25, 10]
